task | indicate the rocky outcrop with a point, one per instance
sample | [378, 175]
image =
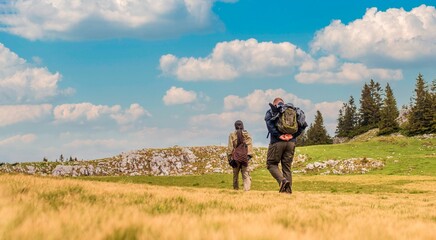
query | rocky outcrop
[403, 116]
[347, 166]
[156, 162]
[177, 161]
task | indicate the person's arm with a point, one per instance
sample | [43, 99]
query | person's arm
[249, 143]
[271, 125]
[229, 147]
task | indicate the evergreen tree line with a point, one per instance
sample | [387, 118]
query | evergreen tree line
[378, 109]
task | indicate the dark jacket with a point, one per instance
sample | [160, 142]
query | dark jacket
[274, 133]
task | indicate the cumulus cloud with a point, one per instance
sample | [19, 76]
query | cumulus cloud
[329, 110]
[396, 35]
[230, 60]
[176, 95]
[22, 83]
[18, 139]
[329, 70]
[66, 19]
[81, 112]
[250, 58]
[258, 100]
[130, 115]
[12, 114]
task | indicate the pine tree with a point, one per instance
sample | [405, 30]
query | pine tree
[317, 133]
[376, 94]
[61, 158]
[350, 118]
[366, 106]
[421, 115]
[347, 119]
[339, 128]
[370, 106]
[389, 113]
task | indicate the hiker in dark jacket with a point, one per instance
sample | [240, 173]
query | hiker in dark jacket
[238, 167]
[281, 148]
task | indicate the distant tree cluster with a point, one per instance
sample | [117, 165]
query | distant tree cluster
[317, 133]
[62, 159]
[378, 109]
[422, 117]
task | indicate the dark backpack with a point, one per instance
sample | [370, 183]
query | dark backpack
[240, 153]
[287, 121]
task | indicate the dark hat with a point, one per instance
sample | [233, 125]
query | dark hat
[239, 125]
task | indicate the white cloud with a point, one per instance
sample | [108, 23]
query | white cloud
[395, 35]
[329, 110]
[176, 95]
[66, 19]
[12, 114]
[83, 111]
[230, 60]
[329, 70]
[18, 139]
[130, 115]
[22, 83]
[250, 58]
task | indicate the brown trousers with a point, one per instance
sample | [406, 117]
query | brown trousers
[280, 152]
[245, 177]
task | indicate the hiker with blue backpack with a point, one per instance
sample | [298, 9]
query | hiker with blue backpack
[239, 152]
[285, 123]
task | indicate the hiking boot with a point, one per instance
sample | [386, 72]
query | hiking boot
[289, 189]
[284, 184]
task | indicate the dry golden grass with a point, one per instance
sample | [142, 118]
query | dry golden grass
[52, 208]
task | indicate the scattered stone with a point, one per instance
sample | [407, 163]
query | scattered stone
[31, 170]
[348, 166]
[62, 170]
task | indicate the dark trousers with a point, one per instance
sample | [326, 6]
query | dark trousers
[283, 153]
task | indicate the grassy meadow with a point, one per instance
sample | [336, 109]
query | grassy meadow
[396, 202]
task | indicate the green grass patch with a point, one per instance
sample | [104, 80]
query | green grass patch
[401, 155]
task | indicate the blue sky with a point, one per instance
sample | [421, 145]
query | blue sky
[92, 79]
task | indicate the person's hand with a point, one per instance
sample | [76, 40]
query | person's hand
[286, 137]
[283, 137]
[233, 163]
